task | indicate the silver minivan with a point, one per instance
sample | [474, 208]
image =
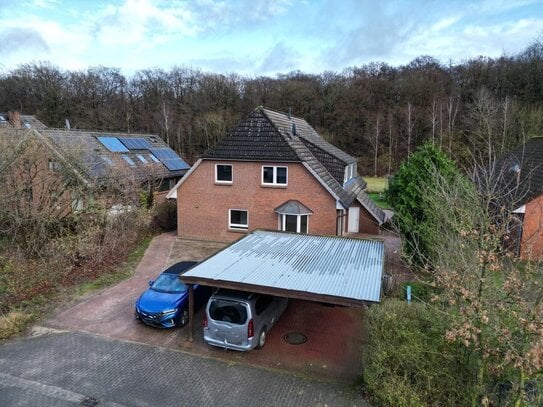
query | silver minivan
[240, 320]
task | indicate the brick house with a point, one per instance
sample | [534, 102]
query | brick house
[520, 174]
[45, 165]
[273, 171]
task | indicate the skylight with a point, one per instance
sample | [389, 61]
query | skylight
[129, 160]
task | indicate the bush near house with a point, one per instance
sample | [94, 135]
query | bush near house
[407, 362]
[473, 334]
[94, 248]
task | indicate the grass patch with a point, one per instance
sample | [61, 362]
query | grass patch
[376, 184]
[379, 199]
[13, 323]
[125, 270]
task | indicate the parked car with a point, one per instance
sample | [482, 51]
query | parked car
[240, 320]
[165, 303]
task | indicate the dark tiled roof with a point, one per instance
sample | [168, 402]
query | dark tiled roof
[334, 166]
[90, 157]
[267, 135]
[520, 172]
[254, 138]
[97, 162]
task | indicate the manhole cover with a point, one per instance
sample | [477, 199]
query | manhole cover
[295, 338]
[89, 402]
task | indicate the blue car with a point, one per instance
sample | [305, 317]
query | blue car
[165, 303]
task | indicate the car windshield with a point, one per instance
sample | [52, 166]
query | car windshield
[228, 311]
[169, 283]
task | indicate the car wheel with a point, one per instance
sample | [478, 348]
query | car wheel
[261, 339]
[184, 317]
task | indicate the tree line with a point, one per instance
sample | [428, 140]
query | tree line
[376, 112]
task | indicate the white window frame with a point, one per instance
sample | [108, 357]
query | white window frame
[217, 181]
[283, 222]
[237, 226]
[350, 172]
[54, 165]
[274, 183]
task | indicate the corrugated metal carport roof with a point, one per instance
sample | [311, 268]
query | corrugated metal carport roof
[338, 270]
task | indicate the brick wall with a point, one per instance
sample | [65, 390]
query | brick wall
[532, 230]
[202, 205]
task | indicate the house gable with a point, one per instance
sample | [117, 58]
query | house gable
[203, 205]
[268, 138]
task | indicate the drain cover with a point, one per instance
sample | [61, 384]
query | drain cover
[295, 338]
[89, 402]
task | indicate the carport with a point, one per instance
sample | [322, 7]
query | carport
[330, 269]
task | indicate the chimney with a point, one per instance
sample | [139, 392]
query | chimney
[15, 119]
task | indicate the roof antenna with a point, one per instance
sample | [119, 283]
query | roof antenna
[289, 113]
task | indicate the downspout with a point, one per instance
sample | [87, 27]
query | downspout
[339, 226]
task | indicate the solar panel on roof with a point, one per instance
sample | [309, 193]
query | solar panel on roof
[135, 143]
[169, 158]
[112, 144]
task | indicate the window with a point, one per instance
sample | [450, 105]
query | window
[350, 172]
[262, 303]
[54, 165]
[228, 311]
[141, 158]
[293, 223]
[274, 175]
[238, 219]
[223, 173]
[153, 158]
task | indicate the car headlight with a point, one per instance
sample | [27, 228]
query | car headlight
[169, 311]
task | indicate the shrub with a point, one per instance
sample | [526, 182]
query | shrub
[406, 195]
[165, 215]
[407, 361]
[13, 323]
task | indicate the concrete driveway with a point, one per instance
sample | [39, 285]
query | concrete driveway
[334, 334]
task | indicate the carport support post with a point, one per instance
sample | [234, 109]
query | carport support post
[191, 312]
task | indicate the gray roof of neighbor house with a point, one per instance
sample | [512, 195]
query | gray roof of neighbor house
[102, 154]
[343, 271]
[520, 172]
[267, 135]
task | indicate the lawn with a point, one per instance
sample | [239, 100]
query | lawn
[379, 199]
[376, 184]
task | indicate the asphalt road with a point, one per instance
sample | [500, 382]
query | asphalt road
[75, 368]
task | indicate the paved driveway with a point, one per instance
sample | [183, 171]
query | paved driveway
[74, 368]
[334, 334]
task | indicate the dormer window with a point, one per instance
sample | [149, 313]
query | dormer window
[350, 172]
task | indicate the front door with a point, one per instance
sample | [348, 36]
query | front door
[354, 219]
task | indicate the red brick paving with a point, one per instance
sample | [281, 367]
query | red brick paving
[334, 334]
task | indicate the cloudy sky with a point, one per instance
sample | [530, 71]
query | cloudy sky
[259, 37]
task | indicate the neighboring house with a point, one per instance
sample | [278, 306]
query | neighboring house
[520, 177]
[273, 171]
[47, 161]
